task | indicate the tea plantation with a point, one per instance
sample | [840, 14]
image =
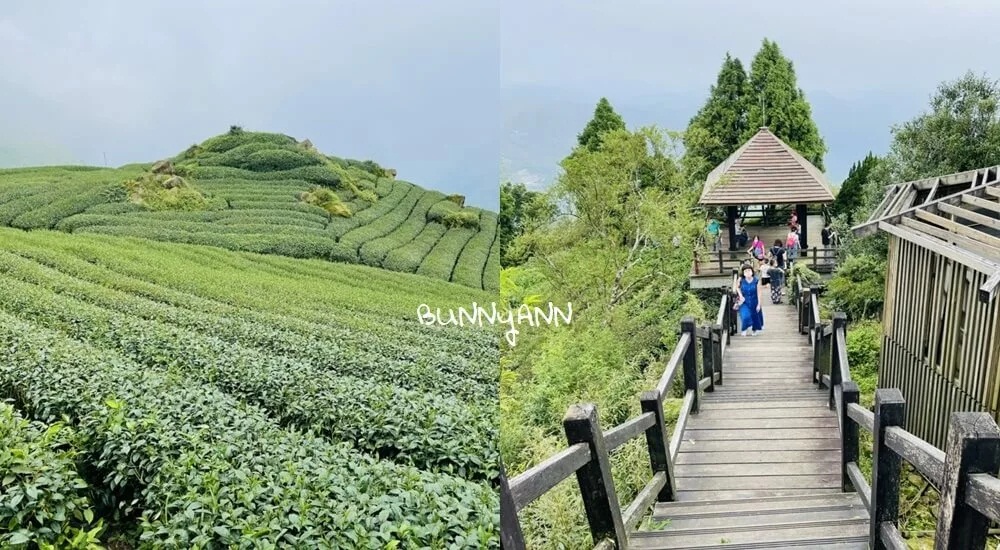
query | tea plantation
[266, 193]
[165, 395]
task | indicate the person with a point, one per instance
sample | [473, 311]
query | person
[765, 278]
[741, 235]
[713, 231]
[792, 247]
[751, 315]
[827, 234]
[777, 276]
[795, 220]
[757, 249]
[778, 253]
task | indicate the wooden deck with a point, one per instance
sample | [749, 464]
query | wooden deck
[759, 465]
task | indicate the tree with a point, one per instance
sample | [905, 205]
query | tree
[718, 128]
[850, 195]
[605, 120]
[775, 101]
[960, 132]
[520, 210]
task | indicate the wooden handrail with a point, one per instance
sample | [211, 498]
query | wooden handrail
[964, 472]
[588, 453]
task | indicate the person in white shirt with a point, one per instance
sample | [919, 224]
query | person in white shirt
[765, 279]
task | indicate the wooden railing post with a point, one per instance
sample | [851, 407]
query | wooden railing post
[890, 410]
[815, 257]
[511, 536]
[836, 369]
[707, 358]
[805, 309]
[690, 361]
[973, 447]
[604, 513]
[721, 268]
[658, 443]
[848, 434]
[818, 350]
[717, 352]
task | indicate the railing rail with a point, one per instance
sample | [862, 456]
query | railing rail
[589, 450]
[964, 472]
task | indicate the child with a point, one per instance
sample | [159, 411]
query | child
[777, 276]
[765, 278]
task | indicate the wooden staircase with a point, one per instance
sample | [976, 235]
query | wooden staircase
[759, 465]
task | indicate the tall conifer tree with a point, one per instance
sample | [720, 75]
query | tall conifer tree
[605, 120]
[718, 128]
[776, 101]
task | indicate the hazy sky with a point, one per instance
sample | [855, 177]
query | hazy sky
[863, 64]
[411, 85]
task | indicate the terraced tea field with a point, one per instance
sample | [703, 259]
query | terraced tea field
[192, 396]
[265, 193]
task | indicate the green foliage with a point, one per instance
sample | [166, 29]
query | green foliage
[213, 380]
[776, 101]
[849, 198]
[864, 340]
[961, 131]
[408, 257]
[163, 192]
[471, 263]
[466, 218]
[393, 230]
[43, 500]
[858, 287]
[520, 211]
[719, 126]
[605, 120]
[327, 200]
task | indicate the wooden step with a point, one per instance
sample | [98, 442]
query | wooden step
[760, 503]
[797, 534]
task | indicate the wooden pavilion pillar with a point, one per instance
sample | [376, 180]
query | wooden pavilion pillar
[801, 212]
[731, 226]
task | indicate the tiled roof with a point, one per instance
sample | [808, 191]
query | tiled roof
[765, 170]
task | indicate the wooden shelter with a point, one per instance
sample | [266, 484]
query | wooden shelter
[941, 342]
[764, 172]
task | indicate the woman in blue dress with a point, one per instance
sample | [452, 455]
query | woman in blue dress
[751, 315]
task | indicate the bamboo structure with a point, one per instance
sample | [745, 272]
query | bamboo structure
[941, 330]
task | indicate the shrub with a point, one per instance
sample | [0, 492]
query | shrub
[440, 261]
[461, 219]
[858, 287]
[438, 212]
[327, 200]
[457, 199]
[471, 262]
[407, 258]
[43, 501]
[165, 193]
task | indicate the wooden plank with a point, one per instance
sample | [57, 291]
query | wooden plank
[978, 202]
[620, 435]
[759, 434]
[765, 519]
[861, 415]
[966, 214]
[955, 227]
[983, 494]
[682, 418]
[539, 479]
[673, 364]
[785, 412]
[769, 538]
[816, 423]
[759, 469]
[757, 482]
[751, 505]
[757, 457]
[891, 537]
[762, 405]
[716, 496]
[941, 247]
[641, 503]
[759, 445]
[959, 239]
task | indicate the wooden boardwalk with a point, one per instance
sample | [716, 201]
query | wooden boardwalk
[759, 465]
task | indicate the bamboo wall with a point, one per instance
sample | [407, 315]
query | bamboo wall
[941, 345]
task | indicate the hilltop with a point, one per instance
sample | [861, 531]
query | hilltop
[267, 193]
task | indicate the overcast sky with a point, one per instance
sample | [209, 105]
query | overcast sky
[411, 85]
[863, 64]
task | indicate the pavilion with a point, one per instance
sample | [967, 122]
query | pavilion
[765, 173]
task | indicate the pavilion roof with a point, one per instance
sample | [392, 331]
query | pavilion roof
[765, 170]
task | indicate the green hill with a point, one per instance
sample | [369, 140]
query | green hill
[266, 193]
[186, 396]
